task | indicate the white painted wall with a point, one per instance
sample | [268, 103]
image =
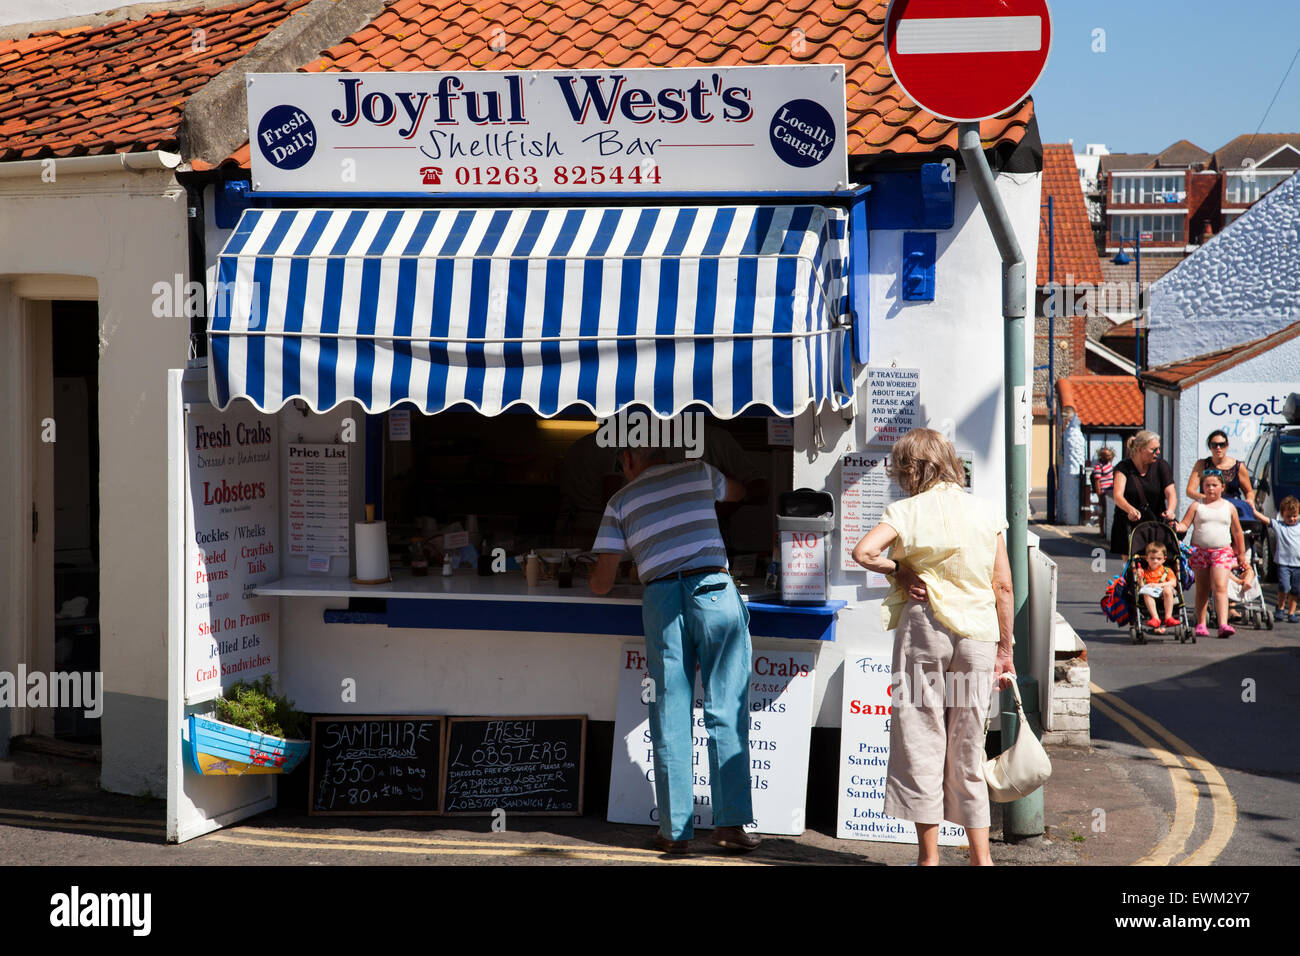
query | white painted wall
[1281, 364]
[957, 343]
[1241, 285]
[125, 231]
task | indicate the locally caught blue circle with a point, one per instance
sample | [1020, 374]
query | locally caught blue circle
[287, 137]
[802, 133]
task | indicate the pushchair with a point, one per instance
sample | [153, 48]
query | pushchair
[1143, 534]
[1251, 610]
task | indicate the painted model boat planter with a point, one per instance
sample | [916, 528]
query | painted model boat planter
[218, 749]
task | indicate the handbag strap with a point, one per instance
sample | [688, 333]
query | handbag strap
[1020, 708]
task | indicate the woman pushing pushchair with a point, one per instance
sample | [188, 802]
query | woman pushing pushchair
[1143, 490]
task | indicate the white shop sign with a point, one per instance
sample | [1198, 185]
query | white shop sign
[864, 756]
[762, 128]
[865, 490]
[231, 532]
[1239, 408]
[780, 431]
[893, 403]
[780, 724]
[399, 424]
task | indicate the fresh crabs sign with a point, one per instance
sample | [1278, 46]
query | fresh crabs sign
[737, 129]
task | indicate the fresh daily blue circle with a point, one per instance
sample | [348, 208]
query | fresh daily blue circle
[286, 137]
[802, 133]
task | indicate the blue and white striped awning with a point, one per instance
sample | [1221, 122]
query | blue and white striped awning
[663, 307]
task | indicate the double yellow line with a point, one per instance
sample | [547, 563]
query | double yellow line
[1186, 791]
[272, 838]
[443, 847]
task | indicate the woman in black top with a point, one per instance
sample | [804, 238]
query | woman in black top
[1143, 489]
[1236, 482]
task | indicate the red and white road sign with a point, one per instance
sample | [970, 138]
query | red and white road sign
[967, 60]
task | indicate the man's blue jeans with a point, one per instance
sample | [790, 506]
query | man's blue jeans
[698, 619]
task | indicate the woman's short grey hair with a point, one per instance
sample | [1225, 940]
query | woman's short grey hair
[922, 459]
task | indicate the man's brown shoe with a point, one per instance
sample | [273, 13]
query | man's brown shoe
[665, 845]
[735, 838]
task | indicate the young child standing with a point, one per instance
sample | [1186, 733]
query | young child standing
[1158, 580]
[1217, 547]
[1287, 557]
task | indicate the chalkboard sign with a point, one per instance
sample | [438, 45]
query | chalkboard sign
[381, 765]
[523, 765]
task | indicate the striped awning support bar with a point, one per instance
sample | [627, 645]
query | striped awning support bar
[723, 307]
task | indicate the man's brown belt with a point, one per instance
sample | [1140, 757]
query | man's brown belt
[689, 572]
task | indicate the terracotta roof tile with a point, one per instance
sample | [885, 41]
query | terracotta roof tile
[563, 34]
[1187, 372]
[1071, 238]
[1112, 400]
[120, 86]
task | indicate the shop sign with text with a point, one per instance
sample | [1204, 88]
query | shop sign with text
[760, 128]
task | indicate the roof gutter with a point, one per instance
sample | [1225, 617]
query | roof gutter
[88, 165]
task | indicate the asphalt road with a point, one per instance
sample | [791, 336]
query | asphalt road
[1234, 701]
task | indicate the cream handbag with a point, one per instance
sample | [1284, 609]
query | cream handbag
[1017, 772]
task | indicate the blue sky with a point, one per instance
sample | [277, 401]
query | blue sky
[1202, 70]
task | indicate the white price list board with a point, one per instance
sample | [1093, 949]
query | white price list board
[865, 490]
[318, 499]
[780, 726]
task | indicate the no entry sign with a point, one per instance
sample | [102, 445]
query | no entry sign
[967, 60]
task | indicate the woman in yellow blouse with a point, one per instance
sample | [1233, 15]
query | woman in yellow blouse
[950, 606]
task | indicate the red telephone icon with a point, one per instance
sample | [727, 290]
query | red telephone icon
[432, 175]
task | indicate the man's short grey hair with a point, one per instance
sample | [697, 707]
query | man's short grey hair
[644, 456]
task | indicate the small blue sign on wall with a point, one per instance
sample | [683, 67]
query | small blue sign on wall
[919, 250]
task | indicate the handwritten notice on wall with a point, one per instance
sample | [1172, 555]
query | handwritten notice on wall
[318, 499]
[893, 403]
[230, 547]
[865, 490]
[780, 724]
[864, 756]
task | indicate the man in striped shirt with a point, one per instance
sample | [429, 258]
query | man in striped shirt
[1103, 479]
[692, 614]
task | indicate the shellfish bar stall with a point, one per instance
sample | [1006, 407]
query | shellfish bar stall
[387, 471]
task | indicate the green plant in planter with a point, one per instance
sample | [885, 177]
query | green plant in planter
[258, 708]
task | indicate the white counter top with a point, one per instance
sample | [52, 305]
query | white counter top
[464, 584]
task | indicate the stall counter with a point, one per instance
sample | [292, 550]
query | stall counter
[505, 602]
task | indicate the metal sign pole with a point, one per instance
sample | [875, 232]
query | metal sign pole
[1023, 818]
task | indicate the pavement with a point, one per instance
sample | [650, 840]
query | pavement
[52, 813]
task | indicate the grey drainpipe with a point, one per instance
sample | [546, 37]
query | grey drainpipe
[1024, 818]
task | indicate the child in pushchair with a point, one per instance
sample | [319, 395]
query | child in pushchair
[1157, 580]
[1246, 604]
[1155, 574]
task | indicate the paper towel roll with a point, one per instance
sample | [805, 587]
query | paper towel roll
[372, 551]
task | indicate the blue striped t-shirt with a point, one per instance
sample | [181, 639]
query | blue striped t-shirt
[665, 519]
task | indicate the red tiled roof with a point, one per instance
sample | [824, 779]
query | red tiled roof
[1113, 400]
[563, 34]
[1188, 372]
[120, 87]
[1121, 330]
[1076, 250]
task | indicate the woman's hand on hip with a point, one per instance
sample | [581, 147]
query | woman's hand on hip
[1004, 671]
[911, 582]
